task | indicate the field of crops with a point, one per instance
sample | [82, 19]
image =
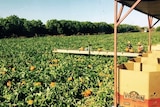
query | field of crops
[32, 75]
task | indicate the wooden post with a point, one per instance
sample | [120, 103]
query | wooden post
[150, 26]
[117, 21]
[150, 20]
[115, 53]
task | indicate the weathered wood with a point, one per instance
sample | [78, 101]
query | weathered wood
[105, 53]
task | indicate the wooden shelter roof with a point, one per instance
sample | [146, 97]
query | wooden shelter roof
[149, 7]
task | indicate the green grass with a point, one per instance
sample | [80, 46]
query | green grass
[95, 73]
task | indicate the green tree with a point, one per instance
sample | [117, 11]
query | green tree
[54, 27]
[103, 27]
[13, 26]
[37, 27]
[128, 28]
[69, 27]
[2, 28]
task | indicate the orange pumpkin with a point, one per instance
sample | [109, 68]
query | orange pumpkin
[131, 50]
[127, 50]
[81, 49]
[32, 68]
[87, 93]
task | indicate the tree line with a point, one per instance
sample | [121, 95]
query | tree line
[13, 26]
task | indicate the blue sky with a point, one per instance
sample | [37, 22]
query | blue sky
[79, 10]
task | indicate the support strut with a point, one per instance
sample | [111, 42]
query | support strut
[150, 26]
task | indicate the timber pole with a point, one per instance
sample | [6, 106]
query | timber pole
[115, 53]
[117, 21]
[150, 20]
